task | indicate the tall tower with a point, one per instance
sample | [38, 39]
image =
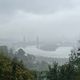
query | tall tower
[24, 39]
[24, 42]
[37, 42]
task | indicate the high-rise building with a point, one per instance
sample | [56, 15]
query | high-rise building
[37, 42]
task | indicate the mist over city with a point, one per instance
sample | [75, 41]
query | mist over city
[39, 40]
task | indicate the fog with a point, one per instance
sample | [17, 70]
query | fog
[51, 20]
[39, 39]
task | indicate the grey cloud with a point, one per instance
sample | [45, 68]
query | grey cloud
[50, 19]
[34, 6]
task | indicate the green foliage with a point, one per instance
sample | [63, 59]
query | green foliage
[68, 71]
[64, 72]
[13, 70]
[53, 72]
[75, 60]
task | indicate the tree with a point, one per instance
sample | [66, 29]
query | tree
[13, 69]
[53, 72]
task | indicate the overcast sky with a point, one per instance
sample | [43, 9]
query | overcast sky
[48, 19]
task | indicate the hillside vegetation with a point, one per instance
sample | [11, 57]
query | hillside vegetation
[13, 69]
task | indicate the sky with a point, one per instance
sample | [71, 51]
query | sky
[51, 20]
